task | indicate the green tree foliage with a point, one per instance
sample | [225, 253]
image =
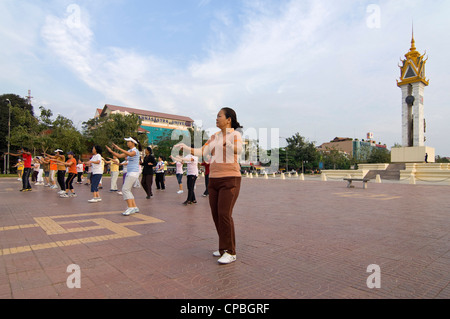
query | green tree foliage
[37, 133]
[335, 159]
[440, 159]
[113, 129]
[300, 153]
[18, 107]
[379, 155]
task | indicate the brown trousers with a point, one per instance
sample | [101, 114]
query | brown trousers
[223, 193]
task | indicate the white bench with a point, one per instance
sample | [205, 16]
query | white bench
[351, 180]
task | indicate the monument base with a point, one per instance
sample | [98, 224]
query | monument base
[414, 154]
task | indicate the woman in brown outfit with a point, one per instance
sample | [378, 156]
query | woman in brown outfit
[225, 148]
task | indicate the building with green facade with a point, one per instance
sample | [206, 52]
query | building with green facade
[155, 124]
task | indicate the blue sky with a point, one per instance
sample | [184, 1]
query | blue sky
[321, 68]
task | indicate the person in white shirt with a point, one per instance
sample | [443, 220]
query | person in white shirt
[36, 165]
[96, 172]
[159, 174]
[179, 174]
[80, 169]
[192, 174]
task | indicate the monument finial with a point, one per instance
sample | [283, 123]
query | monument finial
[413, 42]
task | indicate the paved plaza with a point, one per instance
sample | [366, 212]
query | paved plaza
[295, 239]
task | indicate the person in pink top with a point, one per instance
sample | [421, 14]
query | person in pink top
[224, 147]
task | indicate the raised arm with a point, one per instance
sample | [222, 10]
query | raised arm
[120, 155]
[200, 152]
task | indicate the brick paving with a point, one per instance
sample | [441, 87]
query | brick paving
[295, 240]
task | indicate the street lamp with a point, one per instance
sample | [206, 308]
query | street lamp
[9, 133]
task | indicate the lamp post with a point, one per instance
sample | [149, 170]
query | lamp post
[9, 133]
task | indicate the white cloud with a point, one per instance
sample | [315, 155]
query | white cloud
[312, 67]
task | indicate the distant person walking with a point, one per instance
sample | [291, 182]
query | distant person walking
[133, 171]
[225, 148]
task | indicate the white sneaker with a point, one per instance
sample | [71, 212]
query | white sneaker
[227, 258]
[94, 200]
[217, 254]
[64, 195]
[73, 195]
[130, 210]
[61, 192]
[180, 192]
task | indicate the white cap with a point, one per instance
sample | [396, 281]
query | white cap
[58, 150]
[130, 139]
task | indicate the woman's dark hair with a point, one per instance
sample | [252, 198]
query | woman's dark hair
[139, 146]
[230, 113]
[98, 149]
[149, 149]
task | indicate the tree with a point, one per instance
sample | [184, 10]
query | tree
[440, 159]
[300, 153]
[113, 129]
[65, 136]
[43, 133]
[25, 129]
[335, 159]
[17, 103]
[379, 155]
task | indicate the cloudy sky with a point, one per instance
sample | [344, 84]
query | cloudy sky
[322, 68]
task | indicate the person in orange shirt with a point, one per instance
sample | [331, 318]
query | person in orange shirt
[53, 170]
[71, 164]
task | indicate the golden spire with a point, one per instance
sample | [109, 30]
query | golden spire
[413, 42]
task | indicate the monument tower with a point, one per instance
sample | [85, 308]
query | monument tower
[412, 84]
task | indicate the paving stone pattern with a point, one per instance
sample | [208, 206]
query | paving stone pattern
[295, 239]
